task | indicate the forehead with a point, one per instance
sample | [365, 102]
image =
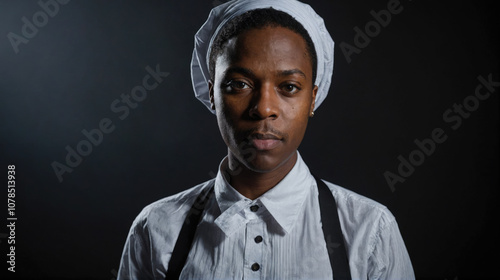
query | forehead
[267, 48]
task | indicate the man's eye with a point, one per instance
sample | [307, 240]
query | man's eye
[238, 85]
[290, 89]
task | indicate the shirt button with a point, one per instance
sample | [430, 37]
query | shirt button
[254, 208]
[255, 267]
[258, 239]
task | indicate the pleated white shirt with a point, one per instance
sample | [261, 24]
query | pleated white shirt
[276, 236]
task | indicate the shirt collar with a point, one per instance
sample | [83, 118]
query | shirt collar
[283, 202]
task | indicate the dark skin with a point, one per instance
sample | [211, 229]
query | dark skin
[263, 95]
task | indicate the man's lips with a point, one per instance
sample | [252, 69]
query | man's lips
[264, 141]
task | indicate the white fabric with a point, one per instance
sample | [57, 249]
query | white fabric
[288, 219]
[220, 15]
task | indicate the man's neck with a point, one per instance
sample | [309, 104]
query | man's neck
[252, 184]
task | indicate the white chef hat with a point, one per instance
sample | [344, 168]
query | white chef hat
[222, 14]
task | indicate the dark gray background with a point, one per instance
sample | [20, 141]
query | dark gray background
[393, 92]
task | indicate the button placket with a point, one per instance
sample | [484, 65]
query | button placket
[254, 249]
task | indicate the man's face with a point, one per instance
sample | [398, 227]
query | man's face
[263, 95]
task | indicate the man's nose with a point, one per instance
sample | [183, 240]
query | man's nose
[265, 103]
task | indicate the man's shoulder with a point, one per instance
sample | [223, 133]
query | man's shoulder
[171, 209]
[358, 209]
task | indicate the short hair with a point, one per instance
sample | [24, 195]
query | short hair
[257, 19]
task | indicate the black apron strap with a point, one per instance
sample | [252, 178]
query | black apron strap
[333, 234]
[331, 230]
[186, 235]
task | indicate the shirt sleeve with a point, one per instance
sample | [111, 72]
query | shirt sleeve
[389, 259]
[136, 257]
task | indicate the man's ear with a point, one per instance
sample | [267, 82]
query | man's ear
[211, 94]
[314, 92]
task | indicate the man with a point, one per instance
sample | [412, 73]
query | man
[263, 67]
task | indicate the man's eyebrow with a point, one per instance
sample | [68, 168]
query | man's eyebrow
[291, 72]
[249, 73]
[239, 70]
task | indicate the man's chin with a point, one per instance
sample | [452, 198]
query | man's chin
[265, 163]
[260, 166]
